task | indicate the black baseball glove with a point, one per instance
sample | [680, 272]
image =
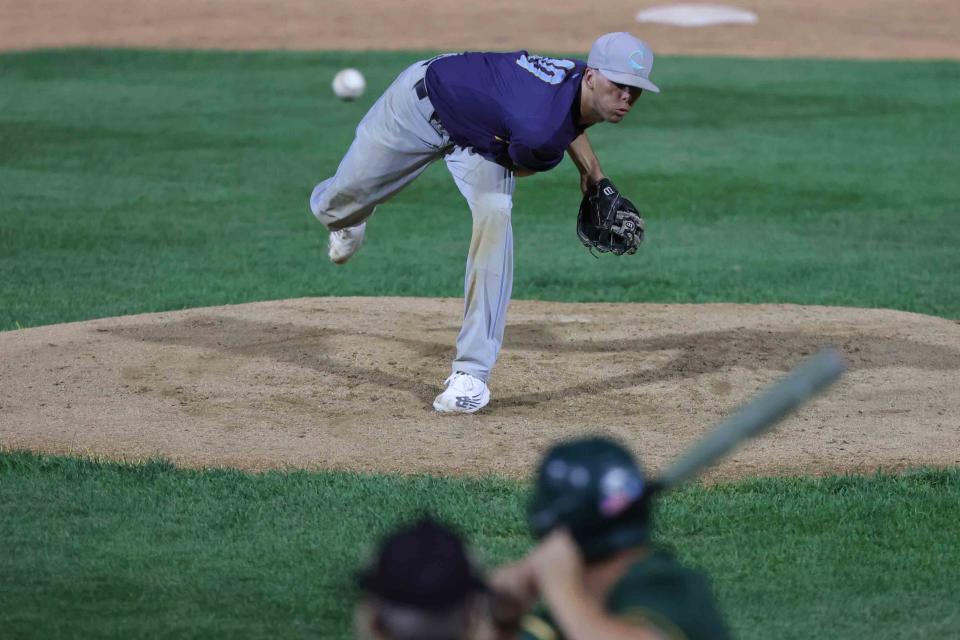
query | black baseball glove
[608, 222]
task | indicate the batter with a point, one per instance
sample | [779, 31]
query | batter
[492, 117]
[596, 570]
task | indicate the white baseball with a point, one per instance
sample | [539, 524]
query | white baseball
[349, 84]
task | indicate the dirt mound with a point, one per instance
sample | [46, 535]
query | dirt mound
[347, 383]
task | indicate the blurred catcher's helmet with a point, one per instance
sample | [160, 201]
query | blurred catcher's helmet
[595, 488]
[423, 565]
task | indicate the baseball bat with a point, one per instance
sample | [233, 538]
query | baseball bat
[757, 416]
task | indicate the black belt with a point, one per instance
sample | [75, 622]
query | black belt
[421, 89]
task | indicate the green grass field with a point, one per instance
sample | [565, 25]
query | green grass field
[144, 181]
[150, 551]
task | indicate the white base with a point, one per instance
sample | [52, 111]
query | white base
[696, 15]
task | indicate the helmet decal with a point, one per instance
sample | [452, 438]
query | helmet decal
[619, 488]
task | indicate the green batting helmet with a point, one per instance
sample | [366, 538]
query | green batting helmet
[595, 488]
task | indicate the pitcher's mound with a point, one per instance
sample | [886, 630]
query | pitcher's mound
[347, 383]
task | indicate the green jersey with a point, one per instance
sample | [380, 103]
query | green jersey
[656, 591]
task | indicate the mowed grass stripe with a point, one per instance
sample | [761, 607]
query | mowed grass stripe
[98, 549]
[138, 181]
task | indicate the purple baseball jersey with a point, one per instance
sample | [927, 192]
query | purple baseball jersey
[517, 109]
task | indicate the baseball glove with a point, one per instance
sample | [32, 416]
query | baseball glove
[608, 222]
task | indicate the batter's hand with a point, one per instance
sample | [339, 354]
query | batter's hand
[513, 592]
[516, 581]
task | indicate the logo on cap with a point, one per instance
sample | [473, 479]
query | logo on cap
[638, 63]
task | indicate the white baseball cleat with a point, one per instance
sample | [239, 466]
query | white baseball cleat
[464, 394]
[345, 242]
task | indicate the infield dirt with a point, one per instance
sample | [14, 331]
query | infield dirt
[347, 382]
[814, 28]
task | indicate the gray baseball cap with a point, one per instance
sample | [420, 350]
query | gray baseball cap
[624, 59]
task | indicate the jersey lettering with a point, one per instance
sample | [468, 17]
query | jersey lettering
[550, 70]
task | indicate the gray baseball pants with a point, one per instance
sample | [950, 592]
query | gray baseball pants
[395, 142]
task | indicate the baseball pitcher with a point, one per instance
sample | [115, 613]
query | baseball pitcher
[492, 118]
